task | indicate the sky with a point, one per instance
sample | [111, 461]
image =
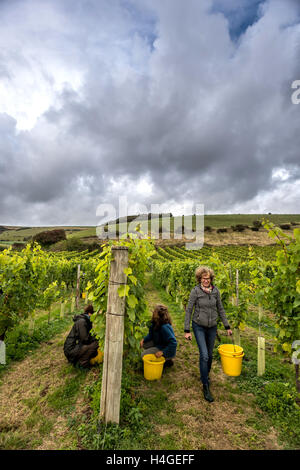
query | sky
[160, 103]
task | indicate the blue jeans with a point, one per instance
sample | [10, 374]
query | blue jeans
[205, 338]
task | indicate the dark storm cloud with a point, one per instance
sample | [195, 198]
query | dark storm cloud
[163, 95]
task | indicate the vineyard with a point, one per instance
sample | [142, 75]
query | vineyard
[227, 253]
[260, 290]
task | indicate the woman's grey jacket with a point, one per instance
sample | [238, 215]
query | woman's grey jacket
[207, 309]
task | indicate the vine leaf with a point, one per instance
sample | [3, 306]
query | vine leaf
[123, 291]
[133, 279]
[131, 315]
[287, 347]
[132, 301]
[297, 234]
[296, 303]
[127, 271]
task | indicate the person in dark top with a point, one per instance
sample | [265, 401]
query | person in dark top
[80, 346]
[205, 300]
[161, 339]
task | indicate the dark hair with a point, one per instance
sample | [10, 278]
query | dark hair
[89, 309]
[160, 316]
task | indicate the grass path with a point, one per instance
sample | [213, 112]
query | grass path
[42, 396]
[187, 421]
[39, 397]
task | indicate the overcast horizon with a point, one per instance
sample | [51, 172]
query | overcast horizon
[159, 101]
[102, 223]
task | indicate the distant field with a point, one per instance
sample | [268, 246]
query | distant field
[5, 244]
[21, 235]
[214, 221]
[90, 232]
[226, 220]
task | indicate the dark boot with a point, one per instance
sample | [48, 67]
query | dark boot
[208, 380]
[168, 363]
[80, 367]
[207, 394]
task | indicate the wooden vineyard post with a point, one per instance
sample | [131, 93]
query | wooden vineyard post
[72, 304]
[236, 331]
[2, 352]
[31, 323]
[237, 286]
[114, 335]
[261, 362]
[237, 336]
[77, 287]
[260, 355]
[62, 309]
[49, 314]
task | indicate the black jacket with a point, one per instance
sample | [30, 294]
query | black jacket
[78, 336]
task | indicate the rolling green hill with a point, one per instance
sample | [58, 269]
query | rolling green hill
[12, 235]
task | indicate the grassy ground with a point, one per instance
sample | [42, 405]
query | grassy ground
[180, 417]
[172, 414]
[233, 421]
[41, 394]
[48, 404]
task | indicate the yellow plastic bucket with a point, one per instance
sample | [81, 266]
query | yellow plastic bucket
[83, 295]
[97, 359]
[153, 366]
[231, 359]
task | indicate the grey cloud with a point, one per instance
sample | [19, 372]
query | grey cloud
[203, 117]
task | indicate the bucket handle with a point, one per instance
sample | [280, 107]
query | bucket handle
[231, 337]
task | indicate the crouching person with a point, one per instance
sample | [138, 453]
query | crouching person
[161, 339]
[80, 346]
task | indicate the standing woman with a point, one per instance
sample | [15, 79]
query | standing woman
[206, 299]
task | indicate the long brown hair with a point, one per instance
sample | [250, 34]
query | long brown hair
[160, 316]
[89, 309]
